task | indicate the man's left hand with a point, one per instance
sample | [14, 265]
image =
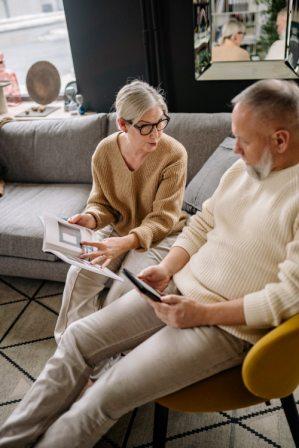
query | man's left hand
[180, 311]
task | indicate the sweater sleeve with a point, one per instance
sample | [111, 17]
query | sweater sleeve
[194, 234]
[166, 208]
[97, 204]
[277, 301]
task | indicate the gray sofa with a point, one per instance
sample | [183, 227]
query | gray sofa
[48, 170]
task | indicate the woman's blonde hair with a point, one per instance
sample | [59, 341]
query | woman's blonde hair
[137, 97]
[230, 28]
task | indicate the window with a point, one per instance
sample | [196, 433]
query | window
[31, 31]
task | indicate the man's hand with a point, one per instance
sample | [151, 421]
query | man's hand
[109, 249]
[180, 311]
[83, 219]
[155, 276]
[185, 312]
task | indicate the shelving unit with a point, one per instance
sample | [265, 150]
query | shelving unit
[202, 34]
[202, 18]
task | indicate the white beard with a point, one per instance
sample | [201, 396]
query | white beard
[263, 168]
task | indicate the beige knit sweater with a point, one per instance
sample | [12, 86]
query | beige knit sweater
[245, 243]
[147, 201]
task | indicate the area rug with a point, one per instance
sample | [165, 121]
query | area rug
[28, 312]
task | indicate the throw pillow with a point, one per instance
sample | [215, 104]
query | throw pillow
[205, 182]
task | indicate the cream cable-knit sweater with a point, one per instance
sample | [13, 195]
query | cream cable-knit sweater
[147, 201]
[245, 243]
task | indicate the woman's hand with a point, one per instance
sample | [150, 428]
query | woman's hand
[180, 311]
[83, 219]
[156, 276]
[109, 248]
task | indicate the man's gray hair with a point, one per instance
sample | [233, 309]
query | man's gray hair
[283, 12]
[136, 98]
[272, 100]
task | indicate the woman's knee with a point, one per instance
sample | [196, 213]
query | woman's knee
[78, 339]
[73, 273]
[71, 278]
[71, 337]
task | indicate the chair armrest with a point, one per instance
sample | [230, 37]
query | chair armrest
[271, 367]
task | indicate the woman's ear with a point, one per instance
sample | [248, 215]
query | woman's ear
[122, 124]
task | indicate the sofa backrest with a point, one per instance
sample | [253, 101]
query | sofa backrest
[54, 150]
[200, 134]
[60, 150]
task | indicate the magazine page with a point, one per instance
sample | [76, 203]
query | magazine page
[65, 237]
[85, 264]
[63, 240]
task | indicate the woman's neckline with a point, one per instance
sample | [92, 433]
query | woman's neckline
[129, 169]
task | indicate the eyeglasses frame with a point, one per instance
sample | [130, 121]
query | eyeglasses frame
[153, 125]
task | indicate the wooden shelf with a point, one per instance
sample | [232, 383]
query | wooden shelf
[58, 113]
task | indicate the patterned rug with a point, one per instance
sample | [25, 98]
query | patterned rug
[28, 312]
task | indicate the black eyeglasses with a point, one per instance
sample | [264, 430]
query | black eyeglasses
[146, 129]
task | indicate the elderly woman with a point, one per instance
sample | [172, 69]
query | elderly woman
[135, 203]
[228, 49]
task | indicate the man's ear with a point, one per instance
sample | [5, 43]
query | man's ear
[282, 138]
[122, 124]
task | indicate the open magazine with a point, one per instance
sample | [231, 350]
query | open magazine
[63, 240]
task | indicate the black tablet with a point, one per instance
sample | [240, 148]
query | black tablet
[143, 287]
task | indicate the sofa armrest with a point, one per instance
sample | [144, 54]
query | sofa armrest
[271, 367]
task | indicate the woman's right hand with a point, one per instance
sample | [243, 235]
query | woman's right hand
[83, 219]
[156, 276]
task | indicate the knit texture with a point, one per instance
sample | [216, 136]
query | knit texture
[147, 201]
[245, 243]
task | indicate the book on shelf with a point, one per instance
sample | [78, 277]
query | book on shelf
[64, 240]
[220, 5]
[231, 6]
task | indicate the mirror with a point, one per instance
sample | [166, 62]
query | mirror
[293, 49]
[246, 39]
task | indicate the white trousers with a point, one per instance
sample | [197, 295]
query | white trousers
[162, 360]
[82, 287]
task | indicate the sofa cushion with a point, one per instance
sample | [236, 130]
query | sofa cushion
[203, 185]
[21, 231]
[200, 134]
[54, 150]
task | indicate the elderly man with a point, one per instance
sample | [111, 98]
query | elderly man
[277, 49]
[235, 268]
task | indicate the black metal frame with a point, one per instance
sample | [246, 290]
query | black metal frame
[129, 429]
[161, 419]
[291, 412]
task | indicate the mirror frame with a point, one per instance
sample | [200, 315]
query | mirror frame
[265, 69]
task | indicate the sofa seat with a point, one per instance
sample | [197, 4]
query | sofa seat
[21, 232]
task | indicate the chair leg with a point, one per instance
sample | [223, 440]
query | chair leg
[292, 416]
[160, 426]
[129, 429]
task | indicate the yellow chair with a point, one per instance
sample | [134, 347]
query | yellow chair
[270, 370]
